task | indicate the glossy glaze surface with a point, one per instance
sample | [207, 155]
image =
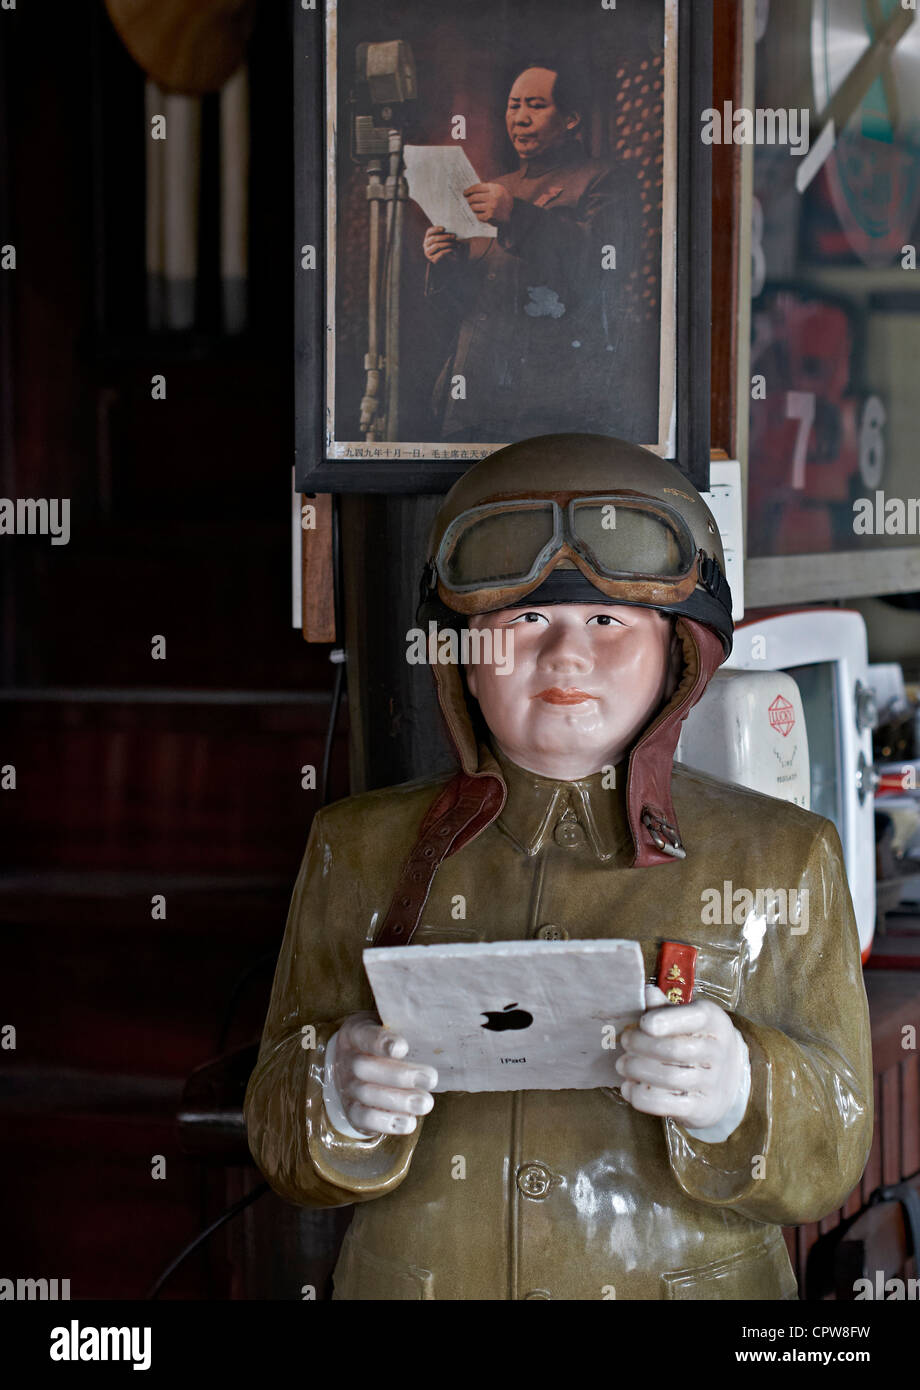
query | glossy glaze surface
[571, 1194]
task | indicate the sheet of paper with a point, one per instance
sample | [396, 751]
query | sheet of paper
[512, 1015]
[437, 176]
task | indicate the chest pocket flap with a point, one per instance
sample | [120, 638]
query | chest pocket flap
[718, 973]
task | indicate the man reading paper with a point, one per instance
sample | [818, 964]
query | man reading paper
[540, 308]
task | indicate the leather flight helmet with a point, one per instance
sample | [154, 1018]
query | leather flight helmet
[576, 518]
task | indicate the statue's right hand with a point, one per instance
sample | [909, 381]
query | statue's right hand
[438, 243]
[378, 1091]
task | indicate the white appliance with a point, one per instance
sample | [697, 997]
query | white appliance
[749, 728]
[824, 650]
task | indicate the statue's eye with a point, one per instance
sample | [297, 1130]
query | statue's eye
[602, 619]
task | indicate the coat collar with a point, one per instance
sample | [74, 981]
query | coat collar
[588, 812]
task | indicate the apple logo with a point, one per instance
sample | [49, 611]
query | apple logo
[510, 1017]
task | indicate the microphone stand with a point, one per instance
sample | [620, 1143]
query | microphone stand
[397, 190]
[370, 401]
[380, 402]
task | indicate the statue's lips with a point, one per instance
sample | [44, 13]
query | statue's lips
[555, 696]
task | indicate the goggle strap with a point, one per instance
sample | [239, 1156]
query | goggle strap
[428, 583]
[713, 580]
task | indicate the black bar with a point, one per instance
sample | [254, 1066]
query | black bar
[694, 241]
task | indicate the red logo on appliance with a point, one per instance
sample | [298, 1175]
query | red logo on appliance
[782, 716]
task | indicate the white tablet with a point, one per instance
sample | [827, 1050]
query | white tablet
[511, 1015]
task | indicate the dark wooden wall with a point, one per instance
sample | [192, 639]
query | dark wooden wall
[137, 777]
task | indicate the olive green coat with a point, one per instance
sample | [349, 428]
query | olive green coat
[574, 1194]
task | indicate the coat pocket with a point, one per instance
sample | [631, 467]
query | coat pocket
[360, 1274]
[762, 1270]
[718, 974]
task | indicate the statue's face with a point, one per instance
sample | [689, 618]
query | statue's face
[586, 679]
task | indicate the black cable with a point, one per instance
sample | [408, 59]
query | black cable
[241, 1205]
[330, 731]
[339, 682]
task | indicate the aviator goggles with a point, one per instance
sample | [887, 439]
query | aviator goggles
[628, 547]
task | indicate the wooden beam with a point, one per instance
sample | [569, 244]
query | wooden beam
[318, 607]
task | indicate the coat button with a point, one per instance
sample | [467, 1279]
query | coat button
[534, 1180]
[539, 1293]
[569, 834]
[549, 932]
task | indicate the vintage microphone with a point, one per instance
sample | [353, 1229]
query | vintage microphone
[383, 103]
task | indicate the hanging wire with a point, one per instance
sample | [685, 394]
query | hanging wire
[244, 1202]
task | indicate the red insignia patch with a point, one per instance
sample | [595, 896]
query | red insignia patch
[676, 971]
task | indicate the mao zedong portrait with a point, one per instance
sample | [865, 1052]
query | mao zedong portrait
[540, 330]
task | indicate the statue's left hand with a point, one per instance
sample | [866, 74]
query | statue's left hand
[683, 1060]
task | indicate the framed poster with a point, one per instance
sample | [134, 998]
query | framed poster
[503, 225]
